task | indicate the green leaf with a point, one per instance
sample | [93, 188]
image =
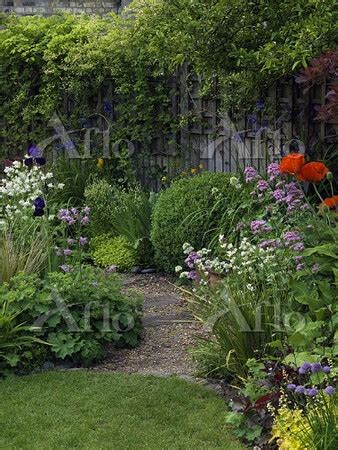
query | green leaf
[304, 293]
[54, 320]
[325, 249]
[335, 272]
[317, 378]
[12, 359]
[253, 432]
[298, 359]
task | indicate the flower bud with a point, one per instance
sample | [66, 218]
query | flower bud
[329, 176]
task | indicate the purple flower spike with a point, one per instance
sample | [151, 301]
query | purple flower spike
[85, 220]
[273, 171]
[311, 392]
[304, 368]
[67, 252]
[300, 390]
[291, 387]
[83, 240]
[298, 247]
[329, 390]
[258, 226]
[250, 174]
[292, 236]
[316, 367]
[326, 369]
[192, 275]
[262, 185]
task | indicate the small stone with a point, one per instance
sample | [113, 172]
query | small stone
[148, 271]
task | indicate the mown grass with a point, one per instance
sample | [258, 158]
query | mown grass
[83, 410]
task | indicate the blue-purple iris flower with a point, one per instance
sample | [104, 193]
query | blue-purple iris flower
[39, 205]
[35, 156]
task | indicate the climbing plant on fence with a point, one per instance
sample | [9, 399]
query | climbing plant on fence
[238, 47]
[51, 63]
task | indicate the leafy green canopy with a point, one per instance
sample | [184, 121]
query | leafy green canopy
[240, 46]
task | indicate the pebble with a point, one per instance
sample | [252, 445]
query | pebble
[146, 271]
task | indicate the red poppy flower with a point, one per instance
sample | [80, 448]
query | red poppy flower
[292, 163]
[331, 202]
[313, 172]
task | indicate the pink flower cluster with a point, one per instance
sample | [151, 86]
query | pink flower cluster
[289, 194]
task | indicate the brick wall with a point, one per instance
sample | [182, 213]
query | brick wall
[47, 7]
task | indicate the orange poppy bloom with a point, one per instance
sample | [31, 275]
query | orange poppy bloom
[313, 172]
[292, 163]
[331, 202]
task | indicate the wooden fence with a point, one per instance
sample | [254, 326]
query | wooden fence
[215, 140]
[222, 144]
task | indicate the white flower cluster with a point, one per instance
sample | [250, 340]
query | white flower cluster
[200, 261]
[247, 257]
[234, 181]
[187, 248]
[21, 186]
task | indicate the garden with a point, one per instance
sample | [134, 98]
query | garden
[147, 301]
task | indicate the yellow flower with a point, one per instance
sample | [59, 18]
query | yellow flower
[201, 166]
[164, 179]
[193, 170]
[100, 163]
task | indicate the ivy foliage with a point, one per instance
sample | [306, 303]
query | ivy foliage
[47, 60]
[239, 47]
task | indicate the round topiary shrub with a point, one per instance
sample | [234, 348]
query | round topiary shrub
[193, 210]
[109, 251]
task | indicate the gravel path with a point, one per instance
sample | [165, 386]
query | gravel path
[169, 332]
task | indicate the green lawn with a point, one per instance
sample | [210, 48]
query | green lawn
[110, 411]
